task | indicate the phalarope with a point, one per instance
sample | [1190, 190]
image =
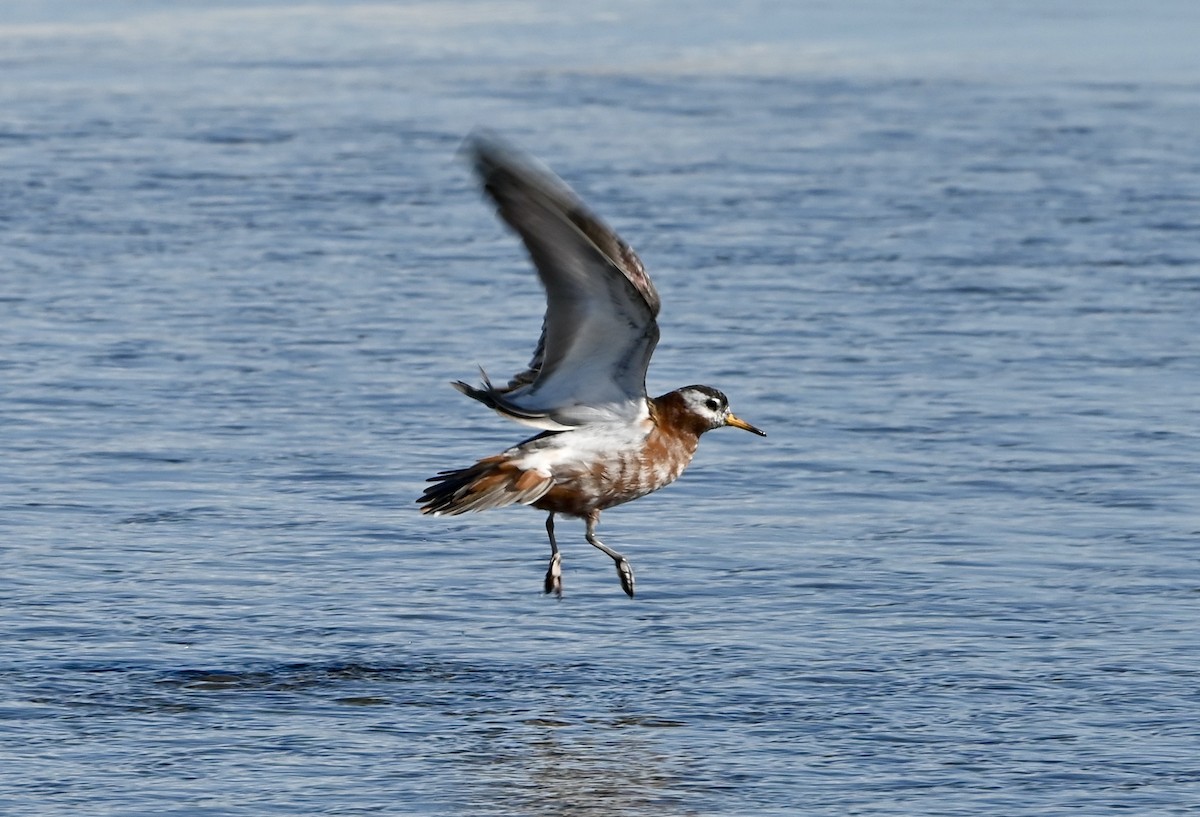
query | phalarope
[604, 441]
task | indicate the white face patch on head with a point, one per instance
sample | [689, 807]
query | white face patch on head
[706, 402]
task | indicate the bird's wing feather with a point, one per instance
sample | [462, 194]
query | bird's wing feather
[600, 329]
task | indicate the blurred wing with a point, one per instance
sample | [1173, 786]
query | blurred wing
[600, 329]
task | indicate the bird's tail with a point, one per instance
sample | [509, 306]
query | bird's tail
[493, 482]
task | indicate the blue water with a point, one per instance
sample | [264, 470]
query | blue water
[955, 279]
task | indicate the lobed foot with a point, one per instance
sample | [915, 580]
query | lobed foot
[553, 583]
[625, 574]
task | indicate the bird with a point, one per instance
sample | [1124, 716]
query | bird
[603, 441]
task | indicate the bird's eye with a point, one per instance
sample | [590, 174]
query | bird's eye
[712, 405]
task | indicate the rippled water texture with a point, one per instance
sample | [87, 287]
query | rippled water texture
[241, 262]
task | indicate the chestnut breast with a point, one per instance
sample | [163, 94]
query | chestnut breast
[623, 474]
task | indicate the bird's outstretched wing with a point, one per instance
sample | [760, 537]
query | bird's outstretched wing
[600, 329]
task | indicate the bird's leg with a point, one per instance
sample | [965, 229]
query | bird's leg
[624, 571]
[553, 582]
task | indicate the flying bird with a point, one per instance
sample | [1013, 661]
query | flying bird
[603, 440]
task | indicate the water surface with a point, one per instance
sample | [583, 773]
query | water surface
[241, 262]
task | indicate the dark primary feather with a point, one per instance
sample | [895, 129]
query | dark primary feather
[492, 482]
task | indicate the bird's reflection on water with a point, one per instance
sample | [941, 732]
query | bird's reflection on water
[596, 766]
[519, 743]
